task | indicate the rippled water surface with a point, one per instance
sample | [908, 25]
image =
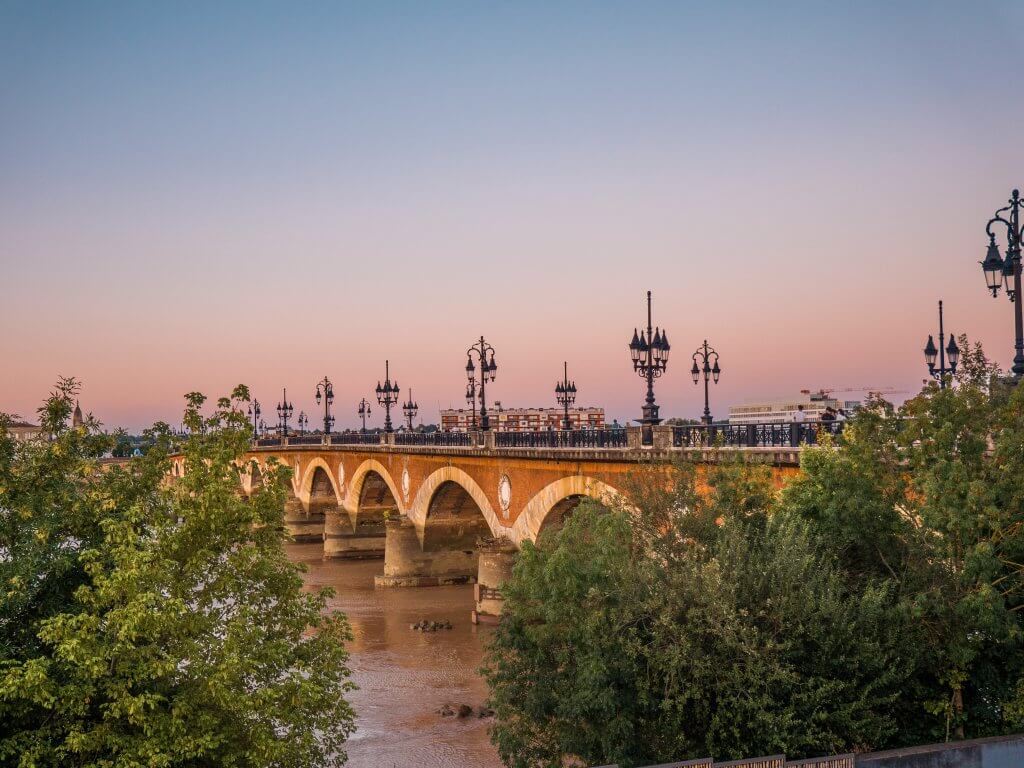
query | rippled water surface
[403, 675]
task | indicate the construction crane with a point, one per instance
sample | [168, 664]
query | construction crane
[868, 390]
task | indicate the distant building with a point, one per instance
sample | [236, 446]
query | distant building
[522, 419]
[22, 431]
[778, 411]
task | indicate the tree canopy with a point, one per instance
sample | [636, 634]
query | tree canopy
[144, 622]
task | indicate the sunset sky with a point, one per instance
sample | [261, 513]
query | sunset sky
[194, 195]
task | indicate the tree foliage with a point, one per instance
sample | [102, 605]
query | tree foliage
[151, 623]
[873, 602]
[695, 623]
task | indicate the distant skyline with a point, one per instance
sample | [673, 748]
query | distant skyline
[198, 195]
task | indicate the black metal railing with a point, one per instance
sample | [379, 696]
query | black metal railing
[355, 438]
[306, 440]
[725, 435]
[434, 438]
[773, 435]
[562, 438]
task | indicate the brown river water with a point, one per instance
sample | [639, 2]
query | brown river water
[404, 675]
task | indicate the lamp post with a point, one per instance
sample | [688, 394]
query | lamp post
[707, 355]
[930, 353]
[471, 393]
[387, 395]
[364, 411]
[649, 350]
[565, 394]
[303, 422]
[254, 414]
[409, 408]
[1006, 272]
[284, 412]
[325, 392]
[488, 370]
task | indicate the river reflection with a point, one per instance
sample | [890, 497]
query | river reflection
[403, 675]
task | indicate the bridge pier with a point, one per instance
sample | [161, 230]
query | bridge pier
[497, 558]
[345, 539]
[302, 525]
[408, 564]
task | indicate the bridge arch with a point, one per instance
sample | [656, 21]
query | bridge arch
[355, 486]
[305, 487]
[421, 504]
[555, 498]
[252, 477]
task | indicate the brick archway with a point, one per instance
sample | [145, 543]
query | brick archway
[355, 486]
[449, 474]
[531, 519]
[251, 477]
[306, 485]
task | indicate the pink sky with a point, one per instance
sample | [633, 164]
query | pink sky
[269, 215]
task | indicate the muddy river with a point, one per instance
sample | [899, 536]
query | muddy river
[404, 676]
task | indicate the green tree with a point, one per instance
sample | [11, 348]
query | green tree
[930, 499]
[123, 447]
[157, 624]
[876, 602]
[688, 623]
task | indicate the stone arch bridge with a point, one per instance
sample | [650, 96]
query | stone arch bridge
[440, 514]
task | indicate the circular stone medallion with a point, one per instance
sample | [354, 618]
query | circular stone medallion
[505, 493]
[405, 483]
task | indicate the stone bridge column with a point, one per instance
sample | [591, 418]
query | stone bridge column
[344, 541]
[302, 525]
[406, 564]
[497, 558]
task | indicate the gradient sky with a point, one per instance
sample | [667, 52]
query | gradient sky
[194, 195]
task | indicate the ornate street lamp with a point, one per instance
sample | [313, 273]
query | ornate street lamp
[471, 393]
[387, 395]
[254, 414]
[409, 408]
[364, 411]
[284, 412]
[325, 392]
[649, 351]
[488, 372]
[303, 422]
[931, 352]
[565, 394]
[709, 367]
[1006, 272]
